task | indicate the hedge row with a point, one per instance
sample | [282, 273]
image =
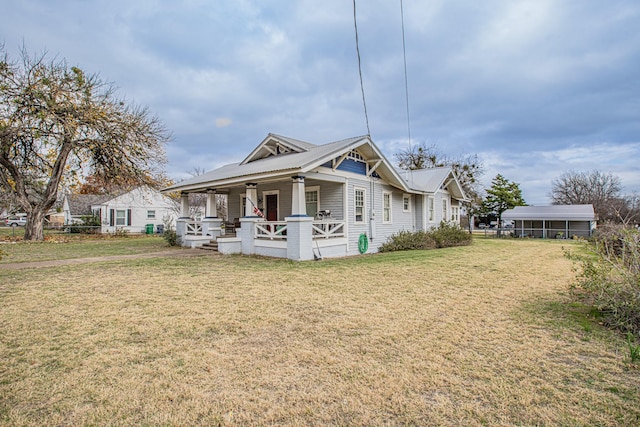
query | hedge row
[444, 236]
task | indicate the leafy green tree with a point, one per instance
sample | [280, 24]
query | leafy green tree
[502, 195]
[58, 124]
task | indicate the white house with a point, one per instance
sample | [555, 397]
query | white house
[297, 200]
[132, 211]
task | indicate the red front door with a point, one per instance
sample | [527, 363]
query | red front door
[272, 207]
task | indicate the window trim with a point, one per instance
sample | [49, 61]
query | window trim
[243, 204]
[123, 218]
[150, 212]
[406, 197]
[455, 213]
[445, 209]
[313, 189]
[355, 206]
[389, 207]
[431, 208]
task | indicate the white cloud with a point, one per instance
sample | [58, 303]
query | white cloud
[223, 122]
[534, 87]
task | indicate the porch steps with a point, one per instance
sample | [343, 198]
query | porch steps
[212, 245]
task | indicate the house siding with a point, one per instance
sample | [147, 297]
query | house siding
[418, 211]
[136, 204]
[400, 220]
[331, 197]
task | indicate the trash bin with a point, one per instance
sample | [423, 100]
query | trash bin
[149, 228]
[160, 228]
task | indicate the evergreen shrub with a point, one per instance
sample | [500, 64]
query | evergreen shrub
[444, 236]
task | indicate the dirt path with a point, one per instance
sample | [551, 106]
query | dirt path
[72, 261]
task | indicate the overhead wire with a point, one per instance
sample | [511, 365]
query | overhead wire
[406, 80]
[364, 102]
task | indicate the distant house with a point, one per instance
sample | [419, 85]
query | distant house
[132, 211]
[294, 199]
[555, 221]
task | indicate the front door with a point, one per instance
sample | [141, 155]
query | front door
[272, 207]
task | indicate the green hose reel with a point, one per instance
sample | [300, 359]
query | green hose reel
[363, 243]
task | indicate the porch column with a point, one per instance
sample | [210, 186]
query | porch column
[181, 222]
[184, 205]
[298, 203]
[252, 199]
[247, 222]
[299, 237]
[211, 224]
[212, 209]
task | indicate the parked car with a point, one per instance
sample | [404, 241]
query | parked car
[482, 225]
[16, 221]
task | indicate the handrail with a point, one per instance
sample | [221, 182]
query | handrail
[327, 228]
[271, 230]
[194, 228]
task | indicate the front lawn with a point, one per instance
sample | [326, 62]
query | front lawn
[64, 246]
[474, 335]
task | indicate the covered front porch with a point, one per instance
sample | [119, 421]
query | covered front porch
[272, 218]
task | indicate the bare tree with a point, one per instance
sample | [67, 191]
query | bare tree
[627, 209]
[198, 201]
[602, 190]
[58, 124]
[468, 168]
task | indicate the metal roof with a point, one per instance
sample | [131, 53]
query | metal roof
[294, 162]
[308, 157]
[553, 212]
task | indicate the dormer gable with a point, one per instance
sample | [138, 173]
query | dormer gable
[277, 145]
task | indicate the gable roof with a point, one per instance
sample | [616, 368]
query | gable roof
[80, 204]
[432, 179]
[266, 162]
[274, 145]
[557, 212]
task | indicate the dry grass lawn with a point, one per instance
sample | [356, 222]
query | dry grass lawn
[479, 335]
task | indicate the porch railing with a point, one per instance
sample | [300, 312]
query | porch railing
[271, 230]
[327, 228]
[194, 228]
[277, 230]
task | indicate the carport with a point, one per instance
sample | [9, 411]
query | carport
[554, 222]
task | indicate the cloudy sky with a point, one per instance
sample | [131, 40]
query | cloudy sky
[535, 88]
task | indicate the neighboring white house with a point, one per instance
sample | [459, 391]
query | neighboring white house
[555, 221]
[132, 211]
[297, 200]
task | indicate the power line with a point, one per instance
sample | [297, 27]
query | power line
[406, 80]
[364, 102]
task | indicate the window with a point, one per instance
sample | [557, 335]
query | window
[444, 209]
[455, 213]
[386, 207]
[243, 204]
[355, 156]
[151, 214]
[312, 201]
[359, 205]
[432, 211]
[121, 217]
[406, 203]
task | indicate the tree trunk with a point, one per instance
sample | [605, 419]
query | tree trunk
[34, 228]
